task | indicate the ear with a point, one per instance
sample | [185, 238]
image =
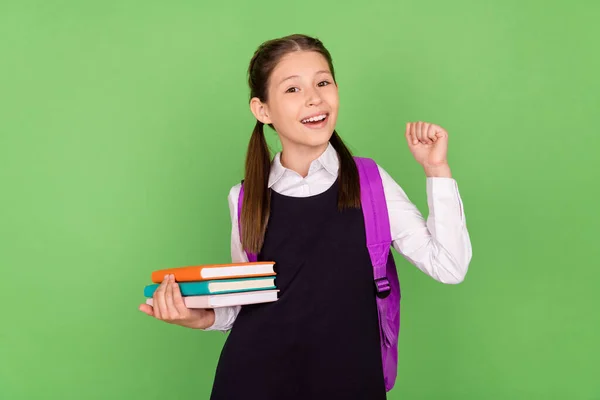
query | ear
[260, 111]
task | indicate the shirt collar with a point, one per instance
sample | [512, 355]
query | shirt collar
[328, 160]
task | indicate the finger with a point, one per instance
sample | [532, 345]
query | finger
[420, 132]
[424, 136]
[430, 133]
[178, 301]
[171, 310]
[160, 307]
[413, 132]
[147, 309]
[425, 129]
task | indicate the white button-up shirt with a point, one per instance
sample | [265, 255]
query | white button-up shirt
[439, 246]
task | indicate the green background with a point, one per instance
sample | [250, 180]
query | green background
[123, 125]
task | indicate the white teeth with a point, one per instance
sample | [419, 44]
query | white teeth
[314, 119]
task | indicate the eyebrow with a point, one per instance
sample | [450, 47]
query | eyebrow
[324, 71]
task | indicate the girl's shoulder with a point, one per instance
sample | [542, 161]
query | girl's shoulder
[385, 176]
[234, 192]
[232, 199]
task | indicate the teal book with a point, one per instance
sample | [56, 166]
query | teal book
[220, 286]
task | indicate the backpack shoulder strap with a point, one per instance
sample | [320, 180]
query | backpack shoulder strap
[379, 241]
[251, 257]
[377, 223]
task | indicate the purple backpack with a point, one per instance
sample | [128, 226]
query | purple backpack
[385, 276]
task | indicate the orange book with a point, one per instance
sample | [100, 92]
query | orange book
[216, 271]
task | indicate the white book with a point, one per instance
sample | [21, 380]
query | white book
[229, 299]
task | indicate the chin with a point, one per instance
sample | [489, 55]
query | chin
[318, 139]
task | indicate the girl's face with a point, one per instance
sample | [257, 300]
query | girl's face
[303, 101]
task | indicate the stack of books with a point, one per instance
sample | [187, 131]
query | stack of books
[220, 285]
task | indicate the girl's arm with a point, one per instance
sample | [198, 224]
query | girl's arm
[225, 316]
[439, 246]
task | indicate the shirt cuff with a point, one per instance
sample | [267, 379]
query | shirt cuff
[221, 317]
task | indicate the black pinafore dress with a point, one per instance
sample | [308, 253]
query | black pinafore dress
[320, 339]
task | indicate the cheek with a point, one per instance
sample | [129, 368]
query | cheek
[333, 99]
[288, 112]
[284, 114]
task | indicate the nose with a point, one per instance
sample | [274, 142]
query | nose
[313, 97]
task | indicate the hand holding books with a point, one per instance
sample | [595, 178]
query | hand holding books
[170, 307]
[186, 296]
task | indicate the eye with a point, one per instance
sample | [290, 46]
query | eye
[323, 83]
[292, 90]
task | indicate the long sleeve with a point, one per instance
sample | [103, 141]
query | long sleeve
[439, 246]
[225, 316]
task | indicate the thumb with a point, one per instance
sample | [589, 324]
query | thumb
[440, 133]
[147, 309]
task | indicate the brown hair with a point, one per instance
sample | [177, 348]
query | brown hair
[257, 197]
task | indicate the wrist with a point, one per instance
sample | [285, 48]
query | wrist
[438, 171]
[206, 319]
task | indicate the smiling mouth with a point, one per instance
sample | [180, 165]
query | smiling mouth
[317, 120]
